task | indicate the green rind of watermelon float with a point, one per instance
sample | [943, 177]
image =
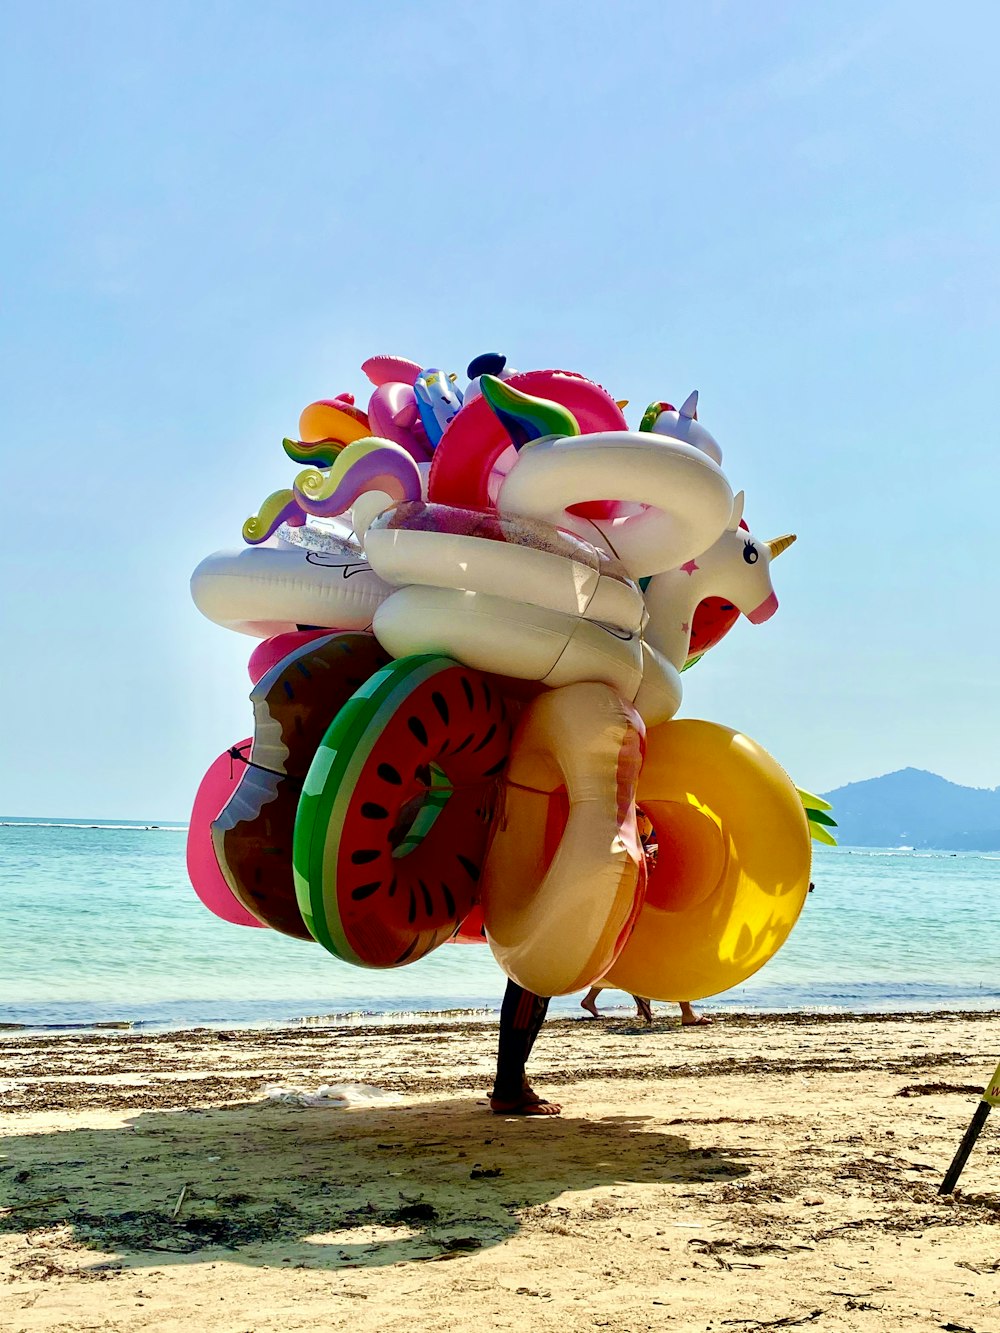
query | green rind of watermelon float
[377, 768]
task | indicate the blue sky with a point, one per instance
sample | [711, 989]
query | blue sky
[215, 211]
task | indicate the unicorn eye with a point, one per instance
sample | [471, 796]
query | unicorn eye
[750, 553]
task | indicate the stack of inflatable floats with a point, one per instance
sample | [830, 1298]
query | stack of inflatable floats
[475, 608]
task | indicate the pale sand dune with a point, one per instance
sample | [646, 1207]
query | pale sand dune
[760, 1173]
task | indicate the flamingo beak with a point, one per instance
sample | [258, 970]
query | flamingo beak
[763, 612]
[780, 544]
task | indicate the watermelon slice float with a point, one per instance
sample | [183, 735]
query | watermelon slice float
[394, 819]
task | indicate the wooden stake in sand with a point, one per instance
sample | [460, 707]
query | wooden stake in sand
[991, 1098]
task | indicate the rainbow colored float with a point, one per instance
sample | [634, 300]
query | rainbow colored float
[475, 609]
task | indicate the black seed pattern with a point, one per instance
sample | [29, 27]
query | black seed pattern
[470, 867]
[389, 774]
[428, 900]
[369, 810]
[441, 704]
[365, 890]
[468, 741]
[392, 886]
[467, 690]
[362, 858]
[486, 739]
[408, 950]
[497, 768]
[418, 729]
[289, 692]
[449, 899]
[487, 694]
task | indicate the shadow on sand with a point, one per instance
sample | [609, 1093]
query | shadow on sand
[266, 1183]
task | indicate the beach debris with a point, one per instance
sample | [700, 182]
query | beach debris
[452, 1247]
[415, 1212]
[975, 1268]
[929, 1089]
[786, 1321]
[335, 1096]
[710, 1248]
[485, 1172]
[180, 1202]
[33, 1203]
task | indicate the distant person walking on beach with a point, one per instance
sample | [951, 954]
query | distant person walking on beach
[689, 1019]
[644, 1010]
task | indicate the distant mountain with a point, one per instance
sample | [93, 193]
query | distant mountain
[912, 808]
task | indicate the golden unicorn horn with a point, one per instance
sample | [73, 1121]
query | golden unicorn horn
[780, 544]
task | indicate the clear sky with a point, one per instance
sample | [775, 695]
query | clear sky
[214, 211]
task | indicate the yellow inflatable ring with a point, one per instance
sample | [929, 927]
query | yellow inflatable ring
[732, 869]
[564, 875]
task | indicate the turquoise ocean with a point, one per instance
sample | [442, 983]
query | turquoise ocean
[100, 926]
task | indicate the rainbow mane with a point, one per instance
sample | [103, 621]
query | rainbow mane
[321, 453]
[366, 465]
[524, 417]
[279, 507]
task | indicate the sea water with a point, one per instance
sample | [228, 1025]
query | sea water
[99, 925]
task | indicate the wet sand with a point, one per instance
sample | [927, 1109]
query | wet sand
[766, 1172]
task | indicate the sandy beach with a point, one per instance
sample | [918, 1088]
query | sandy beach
[766, 1172]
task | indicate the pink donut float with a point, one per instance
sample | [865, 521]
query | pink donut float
[475, 440]
[207, 880]
[269, 652]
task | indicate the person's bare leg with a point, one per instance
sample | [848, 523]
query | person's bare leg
[689, 1019]
[589, 1002]
[643, 1008]
[521, 1017]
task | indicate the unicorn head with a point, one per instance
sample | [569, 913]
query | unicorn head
[737, 566]
[681, 423]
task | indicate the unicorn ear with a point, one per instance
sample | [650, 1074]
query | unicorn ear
[734, 521]
[689, 407]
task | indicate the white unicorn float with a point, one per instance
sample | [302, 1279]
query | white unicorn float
[737, 567]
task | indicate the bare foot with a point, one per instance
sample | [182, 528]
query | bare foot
[643, 1008]
[529, 1103]
[696, 1021]
[591, 1007]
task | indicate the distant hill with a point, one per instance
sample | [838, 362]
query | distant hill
[912, 808]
